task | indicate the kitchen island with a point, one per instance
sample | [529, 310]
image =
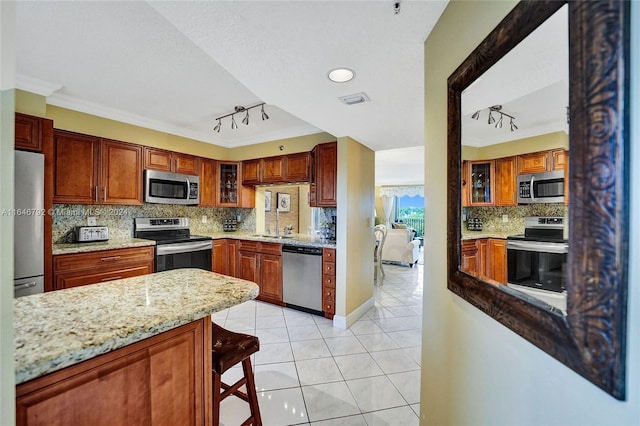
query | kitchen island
[130, 351]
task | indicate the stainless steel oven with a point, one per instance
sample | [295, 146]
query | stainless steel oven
[175, 246]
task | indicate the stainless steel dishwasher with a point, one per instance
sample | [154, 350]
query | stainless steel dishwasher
[302, 278]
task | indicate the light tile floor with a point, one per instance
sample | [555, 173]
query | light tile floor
[308, 372]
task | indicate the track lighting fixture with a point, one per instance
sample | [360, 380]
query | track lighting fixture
[245, 120]
[497, 109]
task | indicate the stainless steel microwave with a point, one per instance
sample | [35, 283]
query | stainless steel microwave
[546, 187]
[171, 188]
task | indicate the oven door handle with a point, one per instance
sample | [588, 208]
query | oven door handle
[165, 249]
[538, 246]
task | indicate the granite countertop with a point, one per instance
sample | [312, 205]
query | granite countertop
[294, 239]
[100, 245]
[474, 235]
[57, 329]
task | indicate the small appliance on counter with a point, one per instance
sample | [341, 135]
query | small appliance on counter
[87, 234]
[474, 224]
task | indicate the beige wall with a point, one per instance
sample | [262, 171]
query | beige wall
[474, 370]
[272, 148]
[355, 242]
[519, 146]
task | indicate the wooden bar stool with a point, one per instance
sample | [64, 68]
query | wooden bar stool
[229, 349]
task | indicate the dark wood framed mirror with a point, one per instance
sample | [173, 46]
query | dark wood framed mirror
[590, 337]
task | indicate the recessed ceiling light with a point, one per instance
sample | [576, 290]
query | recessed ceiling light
[341, 75]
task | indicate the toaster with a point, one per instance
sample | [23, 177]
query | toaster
[84, 234]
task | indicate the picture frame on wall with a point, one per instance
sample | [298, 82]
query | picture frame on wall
[284, 202]
[267, 201]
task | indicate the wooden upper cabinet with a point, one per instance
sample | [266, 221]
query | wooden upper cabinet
[121, 173]
[207, 182]
[534, 162]
[559, 159]
[273, 169]
[506, 194]
[168, 161]
[75, 168]
[90, 170]
[251, 172]
[27, 133]
[325, 183]
[298, 167]
[481, 179]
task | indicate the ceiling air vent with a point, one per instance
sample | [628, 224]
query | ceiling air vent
[358, 98]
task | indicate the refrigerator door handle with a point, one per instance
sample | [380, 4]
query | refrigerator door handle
[24, 286]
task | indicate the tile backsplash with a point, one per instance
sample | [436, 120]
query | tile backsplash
[119, 219]
[492, 216]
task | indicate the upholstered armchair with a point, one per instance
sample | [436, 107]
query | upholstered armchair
[399, 246]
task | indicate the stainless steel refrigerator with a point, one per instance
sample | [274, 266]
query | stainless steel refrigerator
[29, 224]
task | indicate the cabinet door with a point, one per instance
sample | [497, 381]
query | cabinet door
[273, 169]
[469, 257]
[158, 380]
[227, 191]
[157, 159]
[186, 164]
[559, 159]
[483, 256]
[497, 264]
[298, 167]
[481, 181]
[247, 267]
[534, 162]
[251, 172]
[27, 133]
[506, 182]
[465, 183]
[233, 258]
[207, 182]
[326, 175]
[271, 277]
[220, 261]
[121, 174]
[75, 168]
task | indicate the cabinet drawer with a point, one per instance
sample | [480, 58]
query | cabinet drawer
[328, 295]
[102, 259]
[329, 255]
[328, 280]
[79, 278]
[329, 268]
[260, 247]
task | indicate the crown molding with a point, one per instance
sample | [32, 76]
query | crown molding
[37, 86]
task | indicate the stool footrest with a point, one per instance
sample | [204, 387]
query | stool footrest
[234, 390]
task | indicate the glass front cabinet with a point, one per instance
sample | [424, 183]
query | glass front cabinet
[228, 184]
[480, 182]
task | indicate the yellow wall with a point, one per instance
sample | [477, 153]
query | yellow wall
[516, 147]
[474, 370]
[290, 145]
[355, 241]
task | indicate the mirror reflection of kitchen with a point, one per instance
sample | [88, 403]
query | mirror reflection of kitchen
[515, 150]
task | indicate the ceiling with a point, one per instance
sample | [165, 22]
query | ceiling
[175, 66]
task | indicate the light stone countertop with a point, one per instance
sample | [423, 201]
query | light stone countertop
[61, 328]
[475, 235]
[101, 245]
[294, 239]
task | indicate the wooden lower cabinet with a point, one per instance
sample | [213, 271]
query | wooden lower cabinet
[262, 263]
[469, 262]
[220, 257]
[164, 379]
[329, 282]
[72, 270]
[497, 260]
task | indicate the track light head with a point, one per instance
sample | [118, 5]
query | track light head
[264, 114]
[217, 128]
[513, 125]
[499, 123]
[234, 125]
[245, 120]
[476, 115]
[491, 120]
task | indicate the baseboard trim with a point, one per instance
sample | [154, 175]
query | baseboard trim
[346, 322]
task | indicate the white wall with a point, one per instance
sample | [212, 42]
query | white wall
[474, 370]
[7, 99]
